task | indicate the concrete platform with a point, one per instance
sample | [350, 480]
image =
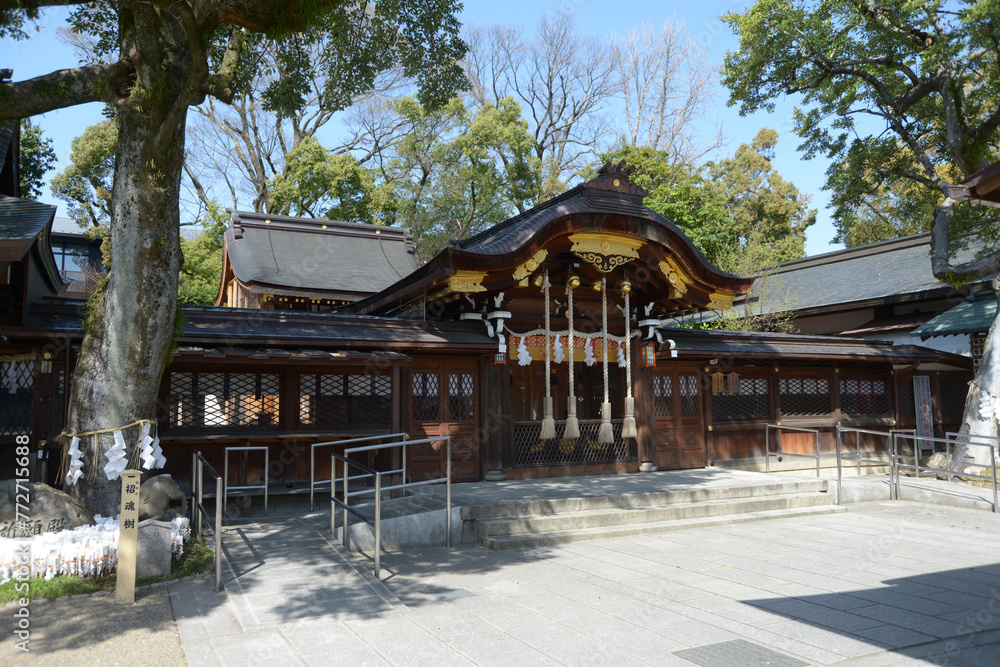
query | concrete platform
[884, 583]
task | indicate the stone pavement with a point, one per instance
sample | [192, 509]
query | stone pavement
[885, 583]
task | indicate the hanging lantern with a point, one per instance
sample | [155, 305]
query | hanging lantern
[647, 354]
[499, 359]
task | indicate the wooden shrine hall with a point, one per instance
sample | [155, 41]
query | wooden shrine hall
[539, 346]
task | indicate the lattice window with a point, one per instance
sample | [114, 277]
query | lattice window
[863, 397]
[952, 398]
[977, 344]
[17, 383]
[530, 450]
[904, 398]
[690, 405]
[460, 397]
[663, 396]
[337, 399]
[616, 390]
[752, 401]
[426, 397]
[805, 396]
[223, 399]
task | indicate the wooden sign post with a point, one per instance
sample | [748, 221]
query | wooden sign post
[128, 537]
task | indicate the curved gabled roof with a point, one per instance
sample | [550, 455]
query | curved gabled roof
[608, 205]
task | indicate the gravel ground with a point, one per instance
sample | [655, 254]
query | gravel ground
[94, 630]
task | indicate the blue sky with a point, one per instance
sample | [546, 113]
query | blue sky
[43, 53]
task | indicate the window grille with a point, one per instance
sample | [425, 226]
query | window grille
[863, 398]
[223, 399]
[977, 344]
[530, 450]
[663, 396]
[336, 399]
[425, 397]
[690, 405]
[904, 398]
[952, 398]
[616, 390]
[460, 397]
[752, 401]
[805, 397]
[17, 384]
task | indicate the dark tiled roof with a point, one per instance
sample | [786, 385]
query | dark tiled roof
[975, 315]
[738, 344]
[881, 271]
[317, 256]
[237, 328]
[23, 220]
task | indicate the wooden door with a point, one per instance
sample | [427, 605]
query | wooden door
[678, 419]
[443, 398]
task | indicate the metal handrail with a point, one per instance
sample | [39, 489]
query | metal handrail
[368, 471]
[312, 461]
[857, 457]
[992, 466]
[198, 464]
[767, 445]
[225, 472]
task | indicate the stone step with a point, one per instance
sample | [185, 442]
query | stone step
[617, 516]
[767, 488]
[501, 542]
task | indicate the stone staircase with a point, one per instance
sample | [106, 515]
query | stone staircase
[515, 525]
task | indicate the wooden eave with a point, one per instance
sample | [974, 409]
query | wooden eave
[983, 187]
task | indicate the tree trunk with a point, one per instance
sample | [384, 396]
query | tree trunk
[974, 421]
[129, 327]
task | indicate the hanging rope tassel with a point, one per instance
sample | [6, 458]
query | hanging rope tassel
[548, 431]
[628, 424]
[605, 435]
[572, 423]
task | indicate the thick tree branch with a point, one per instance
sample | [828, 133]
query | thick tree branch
[64, 88]
[220, 85]
[942, 268]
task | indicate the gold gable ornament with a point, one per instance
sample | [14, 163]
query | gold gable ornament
[606, 252]
[467, 282]
[531, 265]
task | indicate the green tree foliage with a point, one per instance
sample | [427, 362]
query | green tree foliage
[321, 184]
[726, 207]
[157, 61]
[894, 92]
[201, 272]
[37, 157]
[85, 185]
[760, 205]
[456, 173]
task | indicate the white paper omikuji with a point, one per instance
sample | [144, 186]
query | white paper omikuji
[117, 461]
[161, 460]
[523, 356]
[146, 444]
[985, 406]
[84, 551]
[75, 461]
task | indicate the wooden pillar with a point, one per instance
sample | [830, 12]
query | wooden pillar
[498, 433]
[642, 381]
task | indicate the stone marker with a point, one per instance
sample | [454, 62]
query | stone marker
[154, 548]
[51, 510]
